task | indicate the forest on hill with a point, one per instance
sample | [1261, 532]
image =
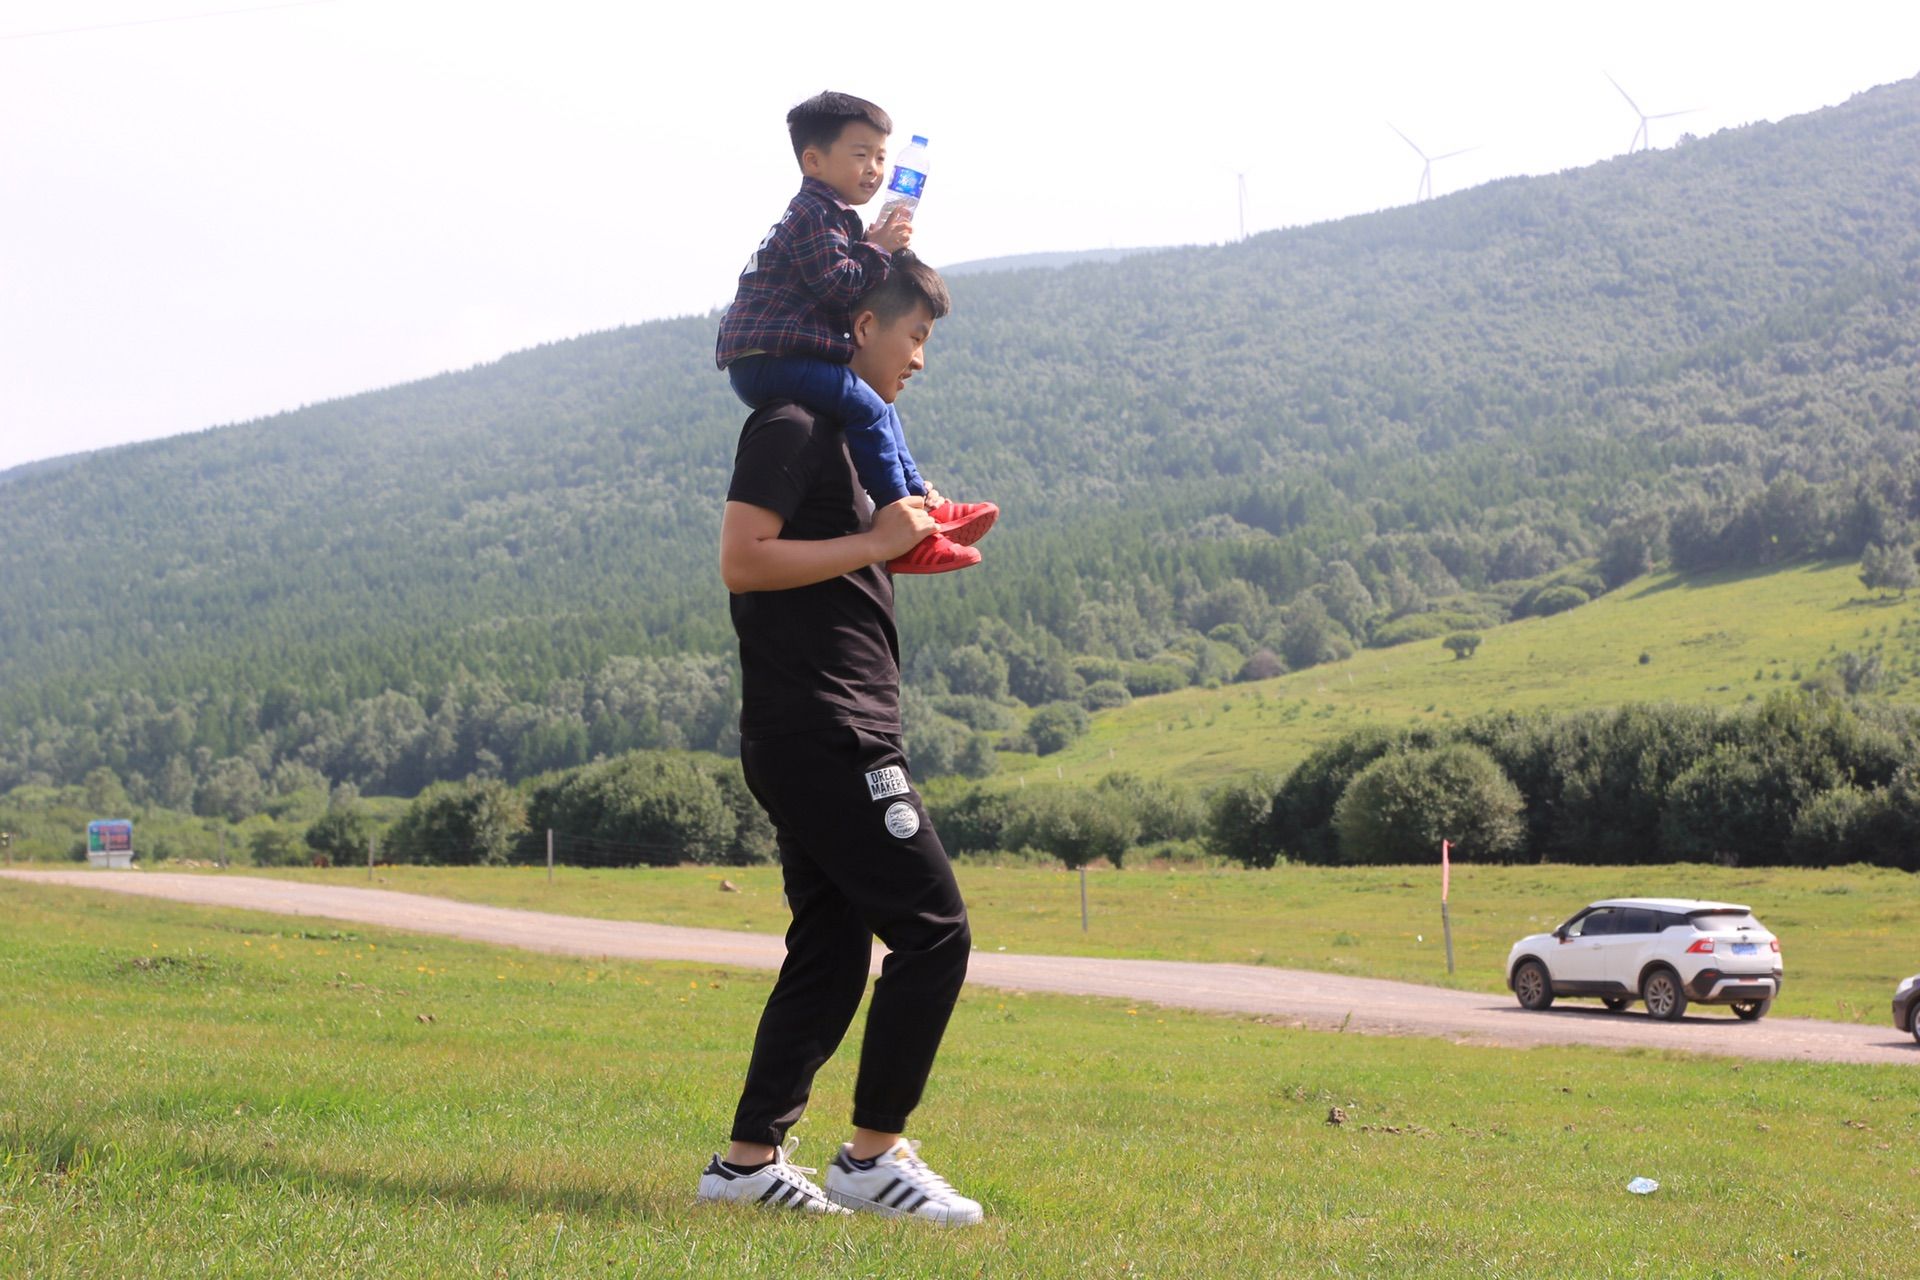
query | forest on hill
[1215, 463]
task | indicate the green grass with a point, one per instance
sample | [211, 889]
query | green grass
[192, 1093]
[1714, 639]
[1847, 932]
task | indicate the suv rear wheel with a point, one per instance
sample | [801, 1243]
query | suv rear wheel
[1751, 1010]
[1666, 998]
[1532, 986]
[1913, 1020]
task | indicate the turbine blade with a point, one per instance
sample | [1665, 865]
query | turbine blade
[1668, 115]
[1462, 151]
[1624, 94]
[1409, 141]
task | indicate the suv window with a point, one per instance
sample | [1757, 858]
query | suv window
[1596, 924]
[1639, 920]
[1724, 922]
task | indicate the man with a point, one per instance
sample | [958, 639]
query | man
[802, 550]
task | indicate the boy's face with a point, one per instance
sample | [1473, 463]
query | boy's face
[888, 352]
[853, 166]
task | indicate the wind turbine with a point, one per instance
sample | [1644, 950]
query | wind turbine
[1425, 190]
[1643, 137]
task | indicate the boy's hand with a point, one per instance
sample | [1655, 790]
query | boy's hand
[932, 497]
[893, 232]
[899, 526]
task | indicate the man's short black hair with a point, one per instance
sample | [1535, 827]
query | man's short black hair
[909, 282]
[819, 120]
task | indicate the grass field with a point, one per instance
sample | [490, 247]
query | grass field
[1848, 933]
[1714, 639]
[193, 1093]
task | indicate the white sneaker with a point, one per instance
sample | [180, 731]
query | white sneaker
[899, 1185]
[780, 1185]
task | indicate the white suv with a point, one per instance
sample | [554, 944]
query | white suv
[1666, 951]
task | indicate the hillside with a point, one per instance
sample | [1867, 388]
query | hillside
[1720, 640]
[1277, 447]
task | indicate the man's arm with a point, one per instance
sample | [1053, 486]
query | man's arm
[754, 557]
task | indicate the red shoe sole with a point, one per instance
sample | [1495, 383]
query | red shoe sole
[913, 562]
[969, 531]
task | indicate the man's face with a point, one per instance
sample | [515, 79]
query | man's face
[888, 352]
[853, 165]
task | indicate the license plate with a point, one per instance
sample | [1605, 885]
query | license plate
[1746, 948]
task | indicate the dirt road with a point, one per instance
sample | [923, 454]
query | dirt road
[1365, 1005]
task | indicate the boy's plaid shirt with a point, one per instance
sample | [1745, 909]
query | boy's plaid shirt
[800, 285]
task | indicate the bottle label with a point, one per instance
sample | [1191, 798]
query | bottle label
[907, 182]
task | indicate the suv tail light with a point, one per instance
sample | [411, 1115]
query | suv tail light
[1702, 947]
[1775, 944]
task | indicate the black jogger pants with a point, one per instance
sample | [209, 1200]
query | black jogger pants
[859, 859]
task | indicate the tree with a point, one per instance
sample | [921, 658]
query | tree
[1461, 644]
[277, 847]
[476, 822]
[1239, 823]
[1056, 726]
[340, 835]
[1312, 636]
[1889, 568]
[1073, 825]
[1403, 805]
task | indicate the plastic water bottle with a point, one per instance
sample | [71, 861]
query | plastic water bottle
[908, 181]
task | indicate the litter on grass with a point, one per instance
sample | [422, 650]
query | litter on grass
[1643, 1186]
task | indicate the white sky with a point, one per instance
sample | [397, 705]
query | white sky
[207, 220]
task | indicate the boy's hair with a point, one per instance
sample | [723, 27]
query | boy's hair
[909, 282]
[819, 120]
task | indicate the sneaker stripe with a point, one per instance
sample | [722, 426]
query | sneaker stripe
[917, 1202]
[881, 1197]
[901, 1199]
[768, 1194]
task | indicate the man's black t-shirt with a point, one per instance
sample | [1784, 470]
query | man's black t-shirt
[823, 655]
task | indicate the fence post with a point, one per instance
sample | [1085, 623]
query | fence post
[549, 855]
[1083, 899]
[369, 859]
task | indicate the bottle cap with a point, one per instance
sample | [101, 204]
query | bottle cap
[919, 140]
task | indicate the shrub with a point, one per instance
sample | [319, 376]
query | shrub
[643, 807]
[1400, 807]
[1073, 825]
[472, 823]
[1558, 600]
[1261, 664]
[340, 835]
[1144, 679]
[1102, 694]
[1239, 823]
[1420, 626]
[1056, 726]
[277, 847]
[1462, 644]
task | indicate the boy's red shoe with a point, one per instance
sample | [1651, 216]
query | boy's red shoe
[965, 522]
[935, 554]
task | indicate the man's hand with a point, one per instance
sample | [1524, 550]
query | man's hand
[893, 232]
[898, 527]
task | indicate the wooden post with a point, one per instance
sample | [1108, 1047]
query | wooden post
[369, 859]
[1446, 928]
[1083, 899]
[549, 855]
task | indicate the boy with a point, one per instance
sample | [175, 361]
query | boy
[785, 337]
[800, 551]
